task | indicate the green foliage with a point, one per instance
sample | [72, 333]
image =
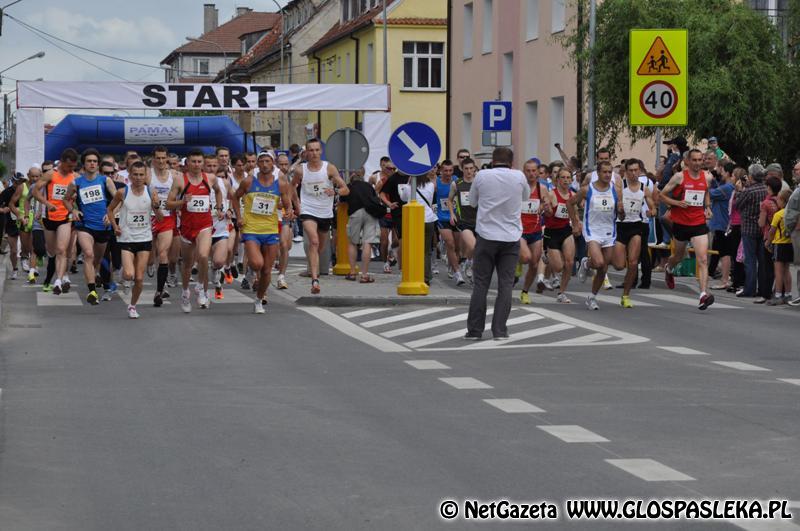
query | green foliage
[741, 87]
[3, 169]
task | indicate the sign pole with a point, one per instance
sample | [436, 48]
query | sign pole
[658, 146]
[413, 241]
[591, 138]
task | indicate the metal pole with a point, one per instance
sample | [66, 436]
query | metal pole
[592, 140]
[658, 146]
[347, 155]
[284, 141]
[385, 52]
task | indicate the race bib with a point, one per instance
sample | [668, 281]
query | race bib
[602, 203]
[531, 206]
[315, 189]
[138, 220]
[91, 194]
[464, 199]
[13, 217]
[694, 198]
[444, 205]
[162, 206]
[198, 204]
[633, 208]
[264, 205]
[561, 211]
[59, 191]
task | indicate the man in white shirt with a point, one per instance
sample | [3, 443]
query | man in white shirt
[498, 193]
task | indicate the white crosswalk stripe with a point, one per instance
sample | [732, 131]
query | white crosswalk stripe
[65, 299]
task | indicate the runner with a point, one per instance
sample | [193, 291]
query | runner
[533, 209]
[25, 222]
[319, 180]
[239, 174]
[192, 196]
[221, 232]
[559, 235]
[463, 215]
[11, 229]
[259, 222]
[286, 225]
[87, 198]
[444, 185]
[637, 204]
[50, 191]
[599, 226]
[164, 227]
[134, 229]
[689, 215]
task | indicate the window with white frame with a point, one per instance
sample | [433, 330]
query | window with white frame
[201, 67]
[468, 31]
[532, 20]
[559, 15]
[488, 25]
[423, 65]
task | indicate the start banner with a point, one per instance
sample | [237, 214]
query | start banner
[201, 96]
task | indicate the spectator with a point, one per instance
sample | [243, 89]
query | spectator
[713, 145]
[767, 210]
[748, 200]
[390, 195]
[735, 235]
[718, 225]
[498, 193]
[776, 170]
[362, 227]
[791, 223]
[780, 244]
[426, 196]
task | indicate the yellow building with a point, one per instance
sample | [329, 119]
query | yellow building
[352, 52]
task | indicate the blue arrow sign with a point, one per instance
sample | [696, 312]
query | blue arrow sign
[414, 148]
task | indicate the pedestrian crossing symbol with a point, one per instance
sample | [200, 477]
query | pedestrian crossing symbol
[658, 61]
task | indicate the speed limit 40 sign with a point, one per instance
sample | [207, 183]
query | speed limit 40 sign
[658, 77]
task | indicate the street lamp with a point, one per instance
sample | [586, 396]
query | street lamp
[224, 54]
[283, 72]
[38, 55]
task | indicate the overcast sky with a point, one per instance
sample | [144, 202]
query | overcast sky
[144, 31]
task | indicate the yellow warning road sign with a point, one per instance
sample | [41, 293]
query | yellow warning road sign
[658, 67]
[658, 61]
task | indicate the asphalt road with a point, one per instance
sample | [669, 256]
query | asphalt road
[340, 419]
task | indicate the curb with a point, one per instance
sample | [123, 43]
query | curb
[339, 301]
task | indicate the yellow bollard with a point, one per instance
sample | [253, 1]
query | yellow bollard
[413, 245]
[342, 266]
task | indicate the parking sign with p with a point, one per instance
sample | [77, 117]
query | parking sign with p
[497, 116]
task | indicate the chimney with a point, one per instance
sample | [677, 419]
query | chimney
[210, 17]
[242, 10]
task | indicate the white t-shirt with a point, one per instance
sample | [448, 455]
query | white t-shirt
[498, 194]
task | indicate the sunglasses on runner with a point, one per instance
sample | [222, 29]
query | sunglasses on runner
[109, 173]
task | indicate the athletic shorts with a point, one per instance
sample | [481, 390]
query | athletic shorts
[603, 239]
[323, 224]
[262, 239]
[554, 238]
[216, 239]
[136, 247]
[684, 233]
[189, 234]
[626, 231]
[532, 237]
[783, 252]
[464, 226]
[11, 229]
[385, 223]
[53, 225]
[100, 236]
[167, 223]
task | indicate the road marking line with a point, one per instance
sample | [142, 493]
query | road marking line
[649, 470]
[793, 381]
[519, 336]
[685, 351]
[583, 340]
[610, 299]
[686, 301]
[359, 313]
[65, 299]
[573, 434]
[430, 324]
[740, 366]
[765, 525]
[146, 295]
[466, 383]
[427, 365]
[231, 297]
[513, 405]
[353, 330]
[459, 333]
[624, 337]
[402, 317]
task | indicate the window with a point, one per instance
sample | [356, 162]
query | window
[201, 67]
[559, 16]
[532, 20]
[423, 65]
[487, 27]
[508, 76]
[468, 31]
[370, 63]
[466, 130]
[345, 10]
[531, 129]
[556, 125]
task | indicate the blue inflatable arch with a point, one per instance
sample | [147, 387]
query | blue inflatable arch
[107, 134]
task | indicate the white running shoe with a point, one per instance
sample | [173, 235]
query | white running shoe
[172, 280]
[583, 269]
[435, 268]
[126, 286]
[186, 302]
[468, 268]
[459, 279]
[607, 283]
[450, 273]
[14, 274]
[258, 307]
[202, 300]
[25, 265]
[282, 282]
[556, 282]
[132, 313]
[591, 303]
[563, 299]
[547, 284]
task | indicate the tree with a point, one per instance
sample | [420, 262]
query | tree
[3, 169]
[740, 81]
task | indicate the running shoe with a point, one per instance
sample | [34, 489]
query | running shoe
[228, 276]
[459, 279]
[626, 302]
[450, 273]
[706, 300]
[91, 298]
[258, 308]
[315, 287]
[583, 269]
[517, 270]
[126, 286]
[218, 295]
[57, 288]
[66, 284]
[73, 268]
[435, 268]
[555, 282]
[14, 274]
[669, 278]
[25, 265]
[158, 300]
[186, 303]
[31, 277]
[255, 285]
[107, 295]
[132, 313]
[468, 268]
[151, 270]
[540, 285]
[282, 282]
[165, 294]
[387, 268]
[47, 288]
[563, 299]
[202, 300]
[172, 280]
[607, 283]
[795, 302]
[234, 271]
[297, 239]
[591, 303]
[245, 284]
[524, 298]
